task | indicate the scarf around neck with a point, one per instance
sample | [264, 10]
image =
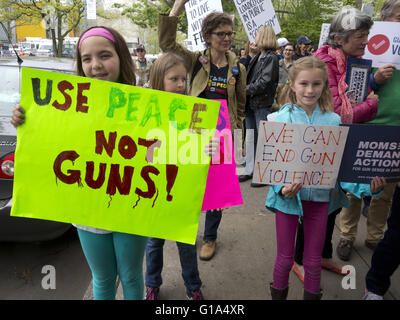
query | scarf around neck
[346, 112]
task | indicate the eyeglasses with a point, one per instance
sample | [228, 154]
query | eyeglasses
[222, 34]
[139, 50]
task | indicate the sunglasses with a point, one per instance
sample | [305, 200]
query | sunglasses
[222, 34]
[139, 50]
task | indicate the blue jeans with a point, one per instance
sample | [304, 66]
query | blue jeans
[155, 262]
[213, 219]
[386, 257]
[252, 122]
[111, 254]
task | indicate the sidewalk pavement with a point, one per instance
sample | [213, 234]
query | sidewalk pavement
[242, 267]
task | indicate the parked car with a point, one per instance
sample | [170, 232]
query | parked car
[45, 50]
[17, 229]
[5, 51]
[68, 52]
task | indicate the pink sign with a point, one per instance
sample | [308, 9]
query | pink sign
[222, 188]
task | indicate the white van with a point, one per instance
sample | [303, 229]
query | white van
[45, 49]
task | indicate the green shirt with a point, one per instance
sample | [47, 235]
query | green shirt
[389, 101]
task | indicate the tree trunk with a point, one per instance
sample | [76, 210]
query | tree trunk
[60, 39]
[53, 37]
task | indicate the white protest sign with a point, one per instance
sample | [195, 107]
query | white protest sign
[299, 153]
[91, 9]
[324, 34]
[196, 11]
[257, 13]
[384, 44]
[368, 9]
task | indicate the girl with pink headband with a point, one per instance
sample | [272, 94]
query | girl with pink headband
[126, 66]
[96, 31]
[106, 56]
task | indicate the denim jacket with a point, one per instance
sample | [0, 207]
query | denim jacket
[336, 196]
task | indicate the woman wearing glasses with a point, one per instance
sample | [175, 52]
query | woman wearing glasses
[214, 74]
[284, 66]
[262, 80]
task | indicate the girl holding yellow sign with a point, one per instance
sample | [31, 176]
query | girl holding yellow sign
[103, 54]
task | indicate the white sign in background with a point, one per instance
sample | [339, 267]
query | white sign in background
[196, 11]
[91, 9]
[324, 34]
[384, 44]
[257, 13]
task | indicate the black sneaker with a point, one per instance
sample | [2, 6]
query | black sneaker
[195, 295]
[152, 293]
[257, 185]
[371, 245]
[245, 177]
[344, 249]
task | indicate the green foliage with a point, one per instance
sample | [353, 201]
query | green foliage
[68, 15]
[296, 17]
[145, 13]
[349, 3]
[306, 19]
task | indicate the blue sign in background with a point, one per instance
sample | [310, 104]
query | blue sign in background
[371, 150]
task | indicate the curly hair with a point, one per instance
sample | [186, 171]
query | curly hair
[212, 22]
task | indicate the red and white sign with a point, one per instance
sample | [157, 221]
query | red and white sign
[378, 44]
[384, 44]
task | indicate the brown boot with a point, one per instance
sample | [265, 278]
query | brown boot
[278, 294]
[207, 250]
[312, 296]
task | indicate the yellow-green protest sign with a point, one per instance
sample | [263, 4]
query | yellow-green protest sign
[111, 156]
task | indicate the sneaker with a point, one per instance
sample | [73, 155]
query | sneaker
[207, 250]
[195, 295]
[244, 177]
[257, 185]
[332, 265]
[372, 296]
[344, 249]
[152, 293]
[371, 245]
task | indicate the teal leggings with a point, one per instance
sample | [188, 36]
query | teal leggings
[111, 254]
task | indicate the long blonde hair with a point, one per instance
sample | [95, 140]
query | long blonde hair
[289, 96]
[161, 66]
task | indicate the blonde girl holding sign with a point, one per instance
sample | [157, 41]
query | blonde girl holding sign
[103, 54]
[310, 102]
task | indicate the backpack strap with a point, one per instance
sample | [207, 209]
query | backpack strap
[196, 67]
